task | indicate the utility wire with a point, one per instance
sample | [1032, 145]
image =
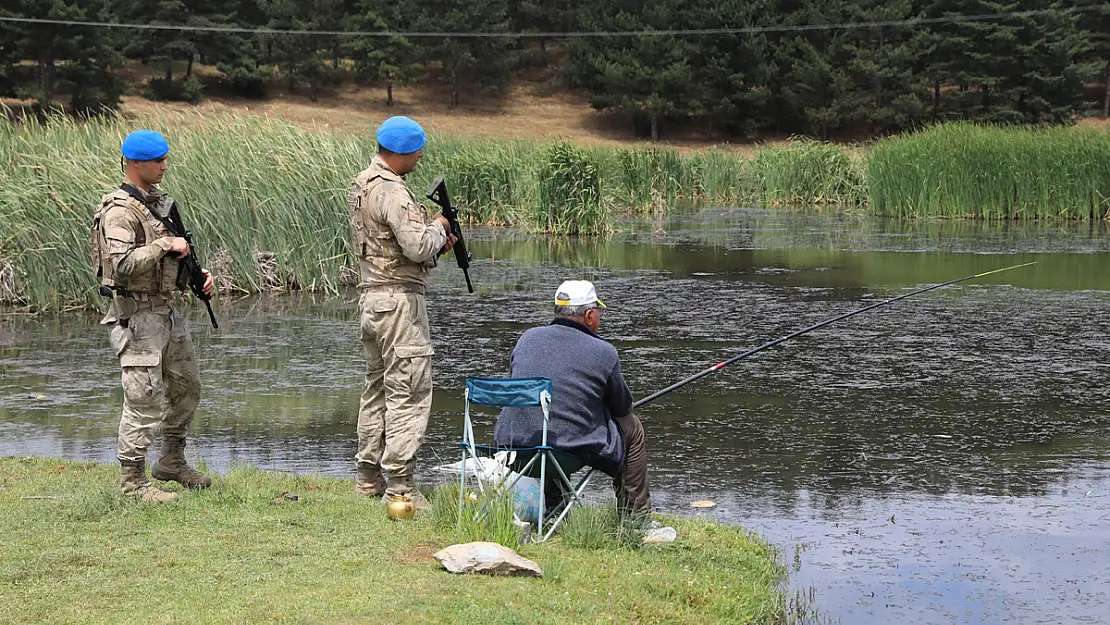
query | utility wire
[916, 21]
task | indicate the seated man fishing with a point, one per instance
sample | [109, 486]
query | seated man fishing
[591, 408]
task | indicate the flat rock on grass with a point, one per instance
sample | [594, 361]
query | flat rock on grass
[661, 535]
[488, 558]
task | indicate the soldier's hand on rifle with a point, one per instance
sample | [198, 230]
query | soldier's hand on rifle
[179, 246]
[209, 283]
[441, 220]
[451, 240]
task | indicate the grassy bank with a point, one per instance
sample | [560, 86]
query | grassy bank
[267, 198]
[75, 551]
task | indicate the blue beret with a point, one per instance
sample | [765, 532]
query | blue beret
[145, 145]
[401, 135]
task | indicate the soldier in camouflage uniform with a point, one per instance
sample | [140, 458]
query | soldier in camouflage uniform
[396, 247]
[137, 261]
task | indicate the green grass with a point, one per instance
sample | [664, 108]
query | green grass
[975, 171]
[486, 517]
[82, 552]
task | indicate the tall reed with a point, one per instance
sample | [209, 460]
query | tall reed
[256, 188]
[807, 172]
[722, 177]
[985, 172]
[647, 180]
[570, 193]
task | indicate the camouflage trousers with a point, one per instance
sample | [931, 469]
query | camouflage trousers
[397, 399]
[161, 383]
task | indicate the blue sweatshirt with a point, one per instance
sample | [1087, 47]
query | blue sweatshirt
[589, 392]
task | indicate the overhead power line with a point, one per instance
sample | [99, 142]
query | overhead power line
[917, 21]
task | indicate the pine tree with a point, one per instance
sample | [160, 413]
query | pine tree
[306, 56]
[886, 93]
[92, 86]
[646, 78]
[1049, 83]
[239, 57]
[939, 50]
[810, 87]
[1098, 34]
[76, 59]
[164, 46]
[1018, 69]
[734, 69]
[10, 55]
[480, 64]
[381, 60]
[542, 16]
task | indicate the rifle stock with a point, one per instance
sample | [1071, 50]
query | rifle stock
[438, 194]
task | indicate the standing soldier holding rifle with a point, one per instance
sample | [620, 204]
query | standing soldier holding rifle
[396, 247]
[141, 253]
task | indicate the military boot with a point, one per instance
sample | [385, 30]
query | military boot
[173, 467]
[403, 486]
[368, 480]
[133, 482]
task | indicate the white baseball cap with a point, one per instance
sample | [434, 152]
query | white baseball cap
[576, 293]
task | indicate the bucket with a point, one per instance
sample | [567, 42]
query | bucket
[526, 499]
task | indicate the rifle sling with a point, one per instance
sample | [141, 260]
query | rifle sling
[167, 221]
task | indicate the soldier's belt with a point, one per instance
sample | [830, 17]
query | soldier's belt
[397, 287]
[143, 296]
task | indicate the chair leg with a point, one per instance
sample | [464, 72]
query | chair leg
[543, 496]
[575, 496]
[462, 487]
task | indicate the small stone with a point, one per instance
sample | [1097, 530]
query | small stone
[661, 535]
[488, 558]
[525, 530]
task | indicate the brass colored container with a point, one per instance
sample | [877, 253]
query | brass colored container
[400, 507]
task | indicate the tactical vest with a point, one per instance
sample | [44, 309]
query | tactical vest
[374, 240]
[162, 278]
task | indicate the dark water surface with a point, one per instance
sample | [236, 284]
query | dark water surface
[941, 460]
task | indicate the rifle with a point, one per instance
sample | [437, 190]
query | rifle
[190, 265]
[438, 194]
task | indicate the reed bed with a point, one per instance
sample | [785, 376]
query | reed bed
[267, 199]
[974, 171]
[570, 194]
[648, 180]
[807, 173]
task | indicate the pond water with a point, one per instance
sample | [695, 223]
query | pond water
[943, 459]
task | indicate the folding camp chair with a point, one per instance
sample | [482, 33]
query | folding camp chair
[502, 392]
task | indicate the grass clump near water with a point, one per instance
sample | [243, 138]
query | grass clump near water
[807, 173]
[988, 172]
[649, 180]
[265, 546]
[570, 199]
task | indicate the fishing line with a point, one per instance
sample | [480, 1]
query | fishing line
[769, 344]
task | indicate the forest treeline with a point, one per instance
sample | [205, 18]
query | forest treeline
[1042, 62]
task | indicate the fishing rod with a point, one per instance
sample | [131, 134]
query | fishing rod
[722, 365]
